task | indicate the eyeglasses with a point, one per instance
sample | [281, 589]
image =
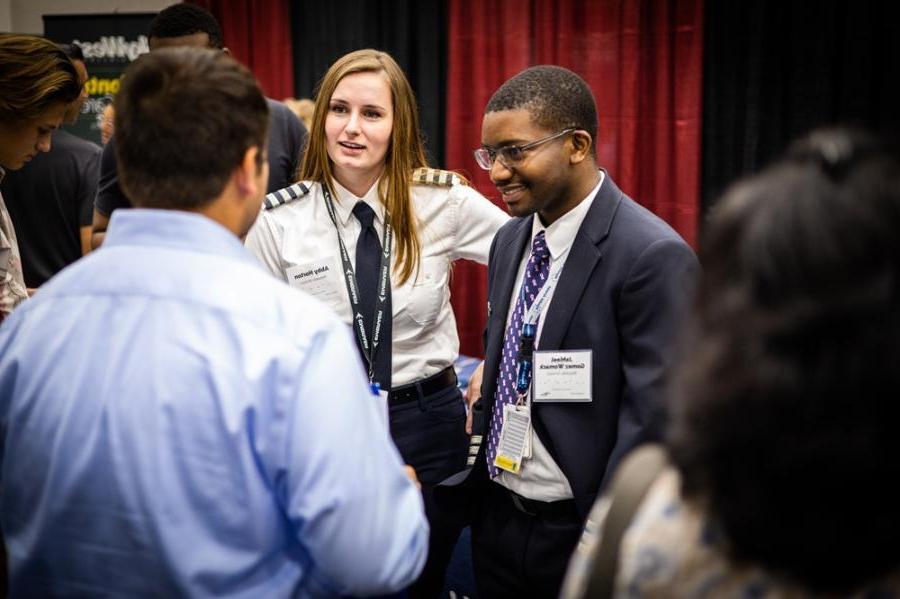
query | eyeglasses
[510, 156]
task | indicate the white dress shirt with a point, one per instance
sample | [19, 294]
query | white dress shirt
[540, 477]
[297, 240]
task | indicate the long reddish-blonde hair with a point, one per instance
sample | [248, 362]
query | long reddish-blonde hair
[405, 151]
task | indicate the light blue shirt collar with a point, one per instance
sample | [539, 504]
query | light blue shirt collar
[175, 229]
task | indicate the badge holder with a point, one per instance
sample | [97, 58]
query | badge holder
[514, 438]
[514, 445]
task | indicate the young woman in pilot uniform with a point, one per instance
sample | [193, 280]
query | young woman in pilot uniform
[372, 232]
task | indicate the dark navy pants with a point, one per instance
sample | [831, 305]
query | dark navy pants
[430, 434]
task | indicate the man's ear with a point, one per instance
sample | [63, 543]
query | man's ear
[581, 146]
[246, 174]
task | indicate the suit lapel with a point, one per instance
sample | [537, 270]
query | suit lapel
[508, 257]
[583, 258]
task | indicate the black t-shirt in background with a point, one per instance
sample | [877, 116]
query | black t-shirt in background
[49, 199]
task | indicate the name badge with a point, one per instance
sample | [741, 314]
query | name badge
[318, 278]
[562, 376]
[515, 437]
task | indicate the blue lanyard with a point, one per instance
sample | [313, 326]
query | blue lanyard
[527, 337]
[526, 353]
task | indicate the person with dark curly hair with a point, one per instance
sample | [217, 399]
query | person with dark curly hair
[185, 25]
[585, 290]
[783, 432]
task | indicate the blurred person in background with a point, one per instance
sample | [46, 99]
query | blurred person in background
[105, 122]
[303, 108]
[783, 433]
[51, 199]
[188, 25]
[39, 84]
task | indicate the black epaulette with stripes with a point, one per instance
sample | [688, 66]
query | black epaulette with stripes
[434, 176]
[286, 195]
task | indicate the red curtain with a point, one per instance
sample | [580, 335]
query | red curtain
[643, 60]
[258, 33]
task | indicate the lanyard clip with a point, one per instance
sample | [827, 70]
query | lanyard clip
[521, 398]
[526, 342]
[526, 350]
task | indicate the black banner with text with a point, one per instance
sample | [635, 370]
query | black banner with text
[110, 43]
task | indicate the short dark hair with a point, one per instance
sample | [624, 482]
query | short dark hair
[556, 97]
[184, 118]
[784, 412]
[73, 51]
[184, 19]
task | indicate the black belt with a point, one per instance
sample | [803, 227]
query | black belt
[533, 507]
[421, 389]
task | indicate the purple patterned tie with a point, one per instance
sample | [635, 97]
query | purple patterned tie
[536, 272]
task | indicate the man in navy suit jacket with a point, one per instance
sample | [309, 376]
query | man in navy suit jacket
[617, 277]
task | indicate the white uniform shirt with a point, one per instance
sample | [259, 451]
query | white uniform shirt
[297, 242]
[540, 477]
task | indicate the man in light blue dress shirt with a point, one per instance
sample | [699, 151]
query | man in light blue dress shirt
[173, 420]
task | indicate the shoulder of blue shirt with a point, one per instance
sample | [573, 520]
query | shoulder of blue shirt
[420, 176]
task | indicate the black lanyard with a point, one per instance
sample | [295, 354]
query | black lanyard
[369, 350]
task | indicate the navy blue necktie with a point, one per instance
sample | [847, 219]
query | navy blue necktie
[536, 272]
[368, 272]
